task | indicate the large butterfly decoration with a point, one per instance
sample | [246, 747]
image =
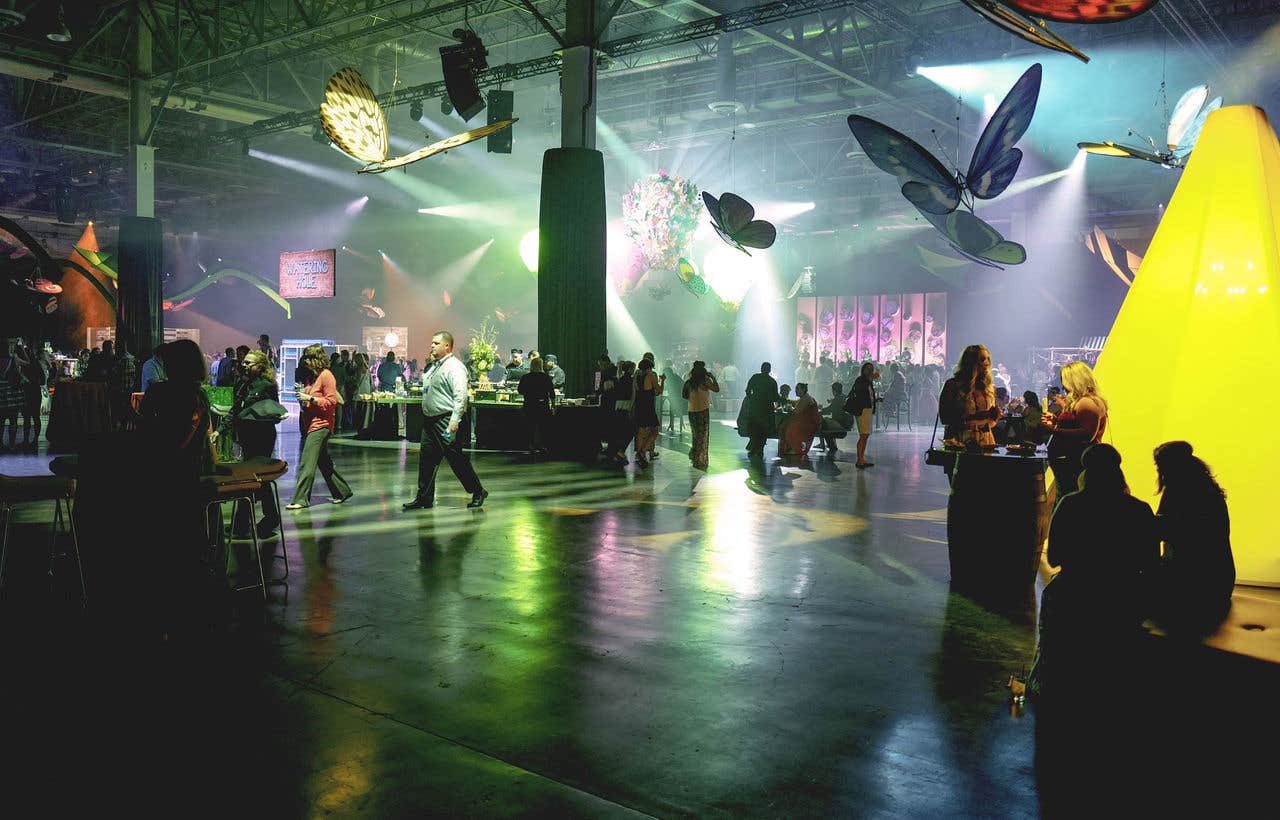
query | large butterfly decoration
[353, 120]
[1026, 18]
[1180, 136]
[937, 193]
[734, 219]
[691, 279]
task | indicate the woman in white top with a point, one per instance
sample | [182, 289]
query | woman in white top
[697, 390]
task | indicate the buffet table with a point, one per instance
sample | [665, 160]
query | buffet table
[378, 418]
[573, 432]
[997, 521]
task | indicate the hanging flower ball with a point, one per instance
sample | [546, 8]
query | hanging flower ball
[660, 214]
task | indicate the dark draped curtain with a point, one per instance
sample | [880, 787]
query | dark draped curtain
[571, 263]
[139, 322]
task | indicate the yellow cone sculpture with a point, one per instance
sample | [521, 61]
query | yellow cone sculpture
[1195, 351]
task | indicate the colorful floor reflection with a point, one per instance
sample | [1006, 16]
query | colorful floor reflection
[759, 641]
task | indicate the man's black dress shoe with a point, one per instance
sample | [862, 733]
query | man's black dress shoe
[478, 499]
[417, 505]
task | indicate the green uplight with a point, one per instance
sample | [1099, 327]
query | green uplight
[529, 250]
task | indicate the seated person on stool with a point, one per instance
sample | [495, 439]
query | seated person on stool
[834, 418]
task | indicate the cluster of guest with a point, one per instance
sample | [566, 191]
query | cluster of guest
[637, 398]
[1120, 563]
[902, 383]
[25, 370]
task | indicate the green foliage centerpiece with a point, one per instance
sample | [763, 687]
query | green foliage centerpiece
[482, 353]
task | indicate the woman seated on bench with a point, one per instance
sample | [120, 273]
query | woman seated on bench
[1105, 542]
[1197, 573]
[797, 432]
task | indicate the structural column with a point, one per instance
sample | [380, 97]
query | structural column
[571, 252]
[141, 253]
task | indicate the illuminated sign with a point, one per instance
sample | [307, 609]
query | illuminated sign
[308, 274]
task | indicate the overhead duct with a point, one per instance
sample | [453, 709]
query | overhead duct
[726, 101]
[213, 105]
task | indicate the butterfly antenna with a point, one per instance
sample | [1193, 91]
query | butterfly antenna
[942, 149]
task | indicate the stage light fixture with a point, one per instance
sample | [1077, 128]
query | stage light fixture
[415, 110]
[461, 62]
[914, 58]
[318, 135]
[60, 32]
[244, 147]
[445, 107]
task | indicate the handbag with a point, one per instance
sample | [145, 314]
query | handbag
[265, 410]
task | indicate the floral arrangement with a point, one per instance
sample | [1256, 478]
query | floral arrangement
[482, 353]
[660, 213]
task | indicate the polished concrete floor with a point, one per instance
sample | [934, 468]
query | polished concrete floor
[762, 640]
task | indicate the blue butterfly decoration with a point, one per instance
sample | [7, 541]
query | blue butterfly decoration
[937, 192]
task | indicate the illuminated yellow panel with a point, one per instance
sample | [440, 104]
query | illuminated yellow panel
[1193, 351]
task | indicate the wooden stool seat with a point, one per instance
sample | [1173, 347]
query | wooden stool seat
[15, 489]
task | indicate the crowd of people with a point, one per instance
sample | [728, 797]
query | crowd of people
[1119, 563]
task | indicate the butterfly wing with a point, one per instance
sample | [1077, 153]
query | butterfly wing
[1189, 136]
[438, 147]
[1112, 149]
[1082, 11]
[735, 213]
[995, 160]
[757, 234]
[1033, 31]
[926, 181]
[1189, 104]
[352, 118]
[713, 209]
[976, 239]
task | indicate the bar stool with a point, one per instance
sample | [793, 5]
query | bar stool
[267, 471]
[59, 490]
[219, 490]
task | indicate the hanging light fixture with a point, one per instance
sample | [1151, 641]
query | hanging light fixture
[61, 34]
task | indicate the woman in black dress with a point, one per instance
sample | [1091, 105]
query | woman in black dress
[617, 402]
[644, 405]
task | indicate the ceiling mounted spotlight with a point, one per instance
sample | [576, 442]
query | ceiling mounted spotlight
[914, 58]
[317, 134]
[446, 107]
[60, 33]
[415, 110]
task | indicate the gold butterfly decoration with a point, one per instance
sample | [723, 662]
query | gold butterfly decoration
[354, 121]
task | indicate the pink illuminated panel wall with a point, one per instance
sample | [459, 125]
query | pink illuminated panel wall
[878, 327]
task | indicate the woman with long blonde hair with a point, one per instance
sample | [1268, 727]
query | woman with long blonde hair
[1082, 423]
[318, 397]
[967, 405]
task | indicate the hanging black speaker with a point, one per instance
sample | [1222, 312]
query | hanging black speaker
[501, 106]
[460, 62]
[65, 204]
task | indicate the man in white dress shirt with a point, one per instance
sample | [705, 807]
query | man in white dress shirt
[444, 400]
